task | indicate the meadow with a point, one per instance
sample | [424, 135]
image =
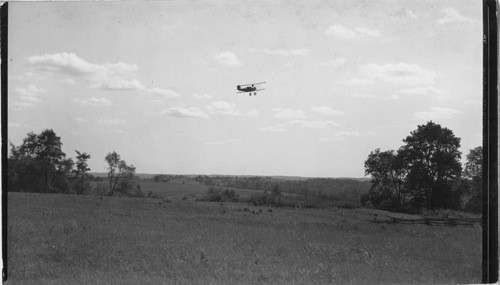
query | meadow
[72, 239]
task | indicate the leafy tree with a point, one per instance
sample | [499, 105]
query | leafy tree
[81, 170]
[431, 158]
[119, 173]
[37, 161]
[387, 172]
[473, 174]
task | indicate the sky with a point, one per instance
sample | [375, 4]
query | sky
[156, 81]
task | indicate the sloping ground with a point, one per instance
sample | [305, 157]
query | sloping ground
[69, 239]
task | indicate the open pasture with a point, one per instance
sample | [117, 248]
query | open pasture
[69, 239]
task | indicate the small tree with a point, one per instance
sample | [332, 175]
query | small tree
[473, 175]
[81, 170]
[119, 173]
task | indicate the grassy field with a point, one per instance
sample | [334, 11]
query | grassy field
[70, 239]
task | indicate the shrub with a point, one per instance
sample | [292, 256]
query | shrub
[220, 195]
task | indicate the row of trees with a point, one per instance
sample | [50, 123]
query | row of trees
[40, 165]
[425, 172]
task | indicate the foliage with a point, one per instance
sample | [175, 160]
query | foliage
[473, 178]
[40, 165]
[81, 170]
[220, 195]
[120, 175]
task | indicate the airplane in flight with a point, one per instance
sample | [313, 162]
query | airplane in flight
[250, 88]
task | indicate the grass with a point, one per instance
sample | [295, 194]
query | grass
[70, 239]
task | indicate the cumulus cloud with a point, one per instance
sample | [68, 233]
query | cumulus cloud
[183, 112]
[289, 114]
[435, 113]
[334, 62]
[282, 52]
[227, 58]
[96, 102]
[341, 32]
[165, 93]
[312, 124]
[359, 81]
[400, 73]
[325, 110]
[110, 76]
[273, 129]
[30, 94]
[362, 96]
[223, 107]
[453, 16]
[427, 90]
[253, 113]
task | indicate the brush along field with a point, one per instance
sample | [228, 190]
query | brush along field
[70, 239]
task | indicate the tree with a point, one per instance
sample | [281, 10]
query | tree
[119, 173]
[37, 160]
[473, 176]
[431, 158]
[387, 172]
[81, 170]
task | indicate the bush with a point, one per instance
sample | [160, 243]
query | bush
[220, 195]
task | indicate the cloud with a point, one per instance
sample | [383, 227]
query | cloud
[334, 62]
[341, 32]
[422, 91]
[182, 112]
[254, 113]
[165, 93]
[227, 58]
[282, 52]
[453, 16]
[30, 94]
[273, 129]
[359, 81]
[312, 124]
[325, 110]
[112, 121]
[435, 113]
[96, 102]
[409, 13]
[109, 76]
[289, 114]
[400, 73]
[223, 107]
[349, 134]
[203, 96]
[362, 96]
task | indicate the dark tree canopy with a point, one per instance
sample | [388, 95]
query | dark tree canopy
[431, 156]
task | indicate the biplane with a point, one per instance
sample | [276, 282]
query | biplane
[250, 88]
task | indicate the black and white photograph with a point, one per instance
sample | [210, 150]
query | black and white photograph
[244, 142]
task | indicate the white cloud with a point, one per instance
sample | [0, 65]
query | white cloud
[341, 32]
[435, 113]
[453, 16]
[359, 81]
[312, 124]
[325, 110]
[289, 114]
[400, 73]
[253, 113]
[223, 107]
[282, 52]
[165, 93]
[110, 76]
[362, 96]
[182, 112]
[96, 102]
[227, 58]
[334, 62]
[30, 94]
[202, 96]
[410, 13]
[273, 129]
[422, 91]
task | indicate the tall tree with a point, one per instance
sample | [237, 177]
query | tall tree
[432, 160]
[81, 170]
[473, 174]
[45, 150]
[388, 175]
[119, 173]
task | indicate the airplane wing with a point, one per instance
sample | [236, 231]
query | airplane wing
[243, 85]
